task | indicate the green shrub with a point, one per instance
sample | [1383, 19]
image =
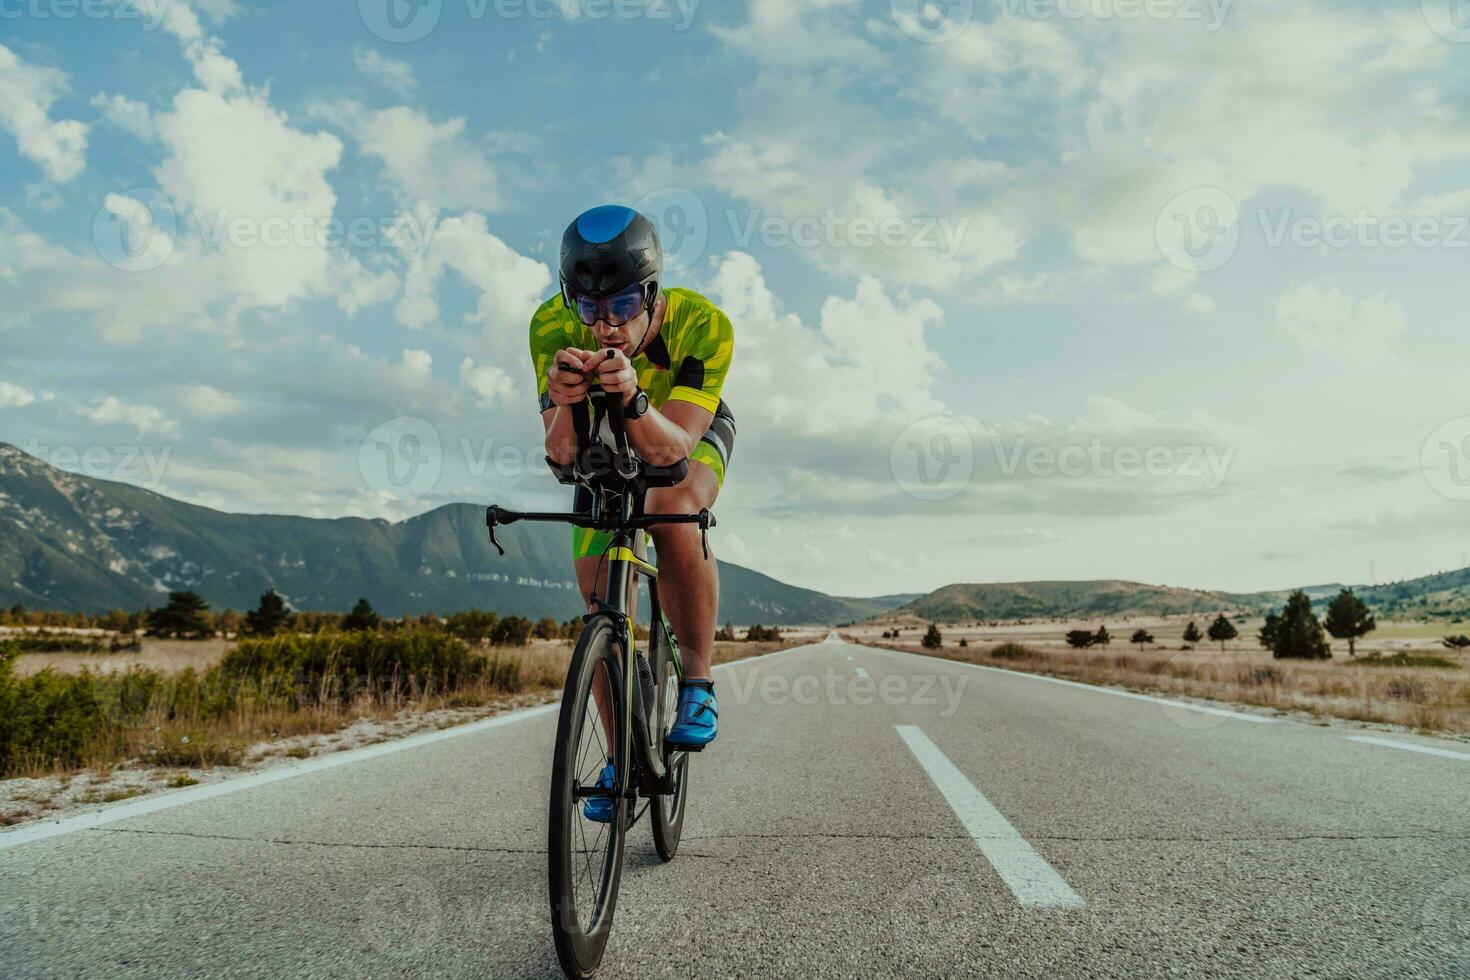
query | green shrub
[1012, 651]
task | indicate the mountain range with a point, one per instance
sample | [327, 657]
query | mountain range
[74, 542]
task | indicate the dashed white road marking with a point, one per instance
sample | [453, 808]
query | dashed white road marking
[1034, 882]
[1408, 747]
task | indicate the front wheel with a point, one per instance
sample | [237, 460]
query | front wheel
[586, 856]
[668, 811]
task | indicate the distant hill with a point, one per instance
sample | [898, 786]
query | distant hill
[77, 543]
[1442, 596]
[1040, 600]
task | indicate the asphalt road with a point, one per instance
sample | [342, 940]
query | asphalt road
[863, 813]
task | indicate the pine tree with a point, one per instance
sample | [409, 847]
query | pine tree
[1298, 634]
[1221, 630]
[1270, 629]
[1081, 639]
[186, 615]
[1192, 633]
[1101, 637]
[932, 639]
[1142, 637]
[1348, 618]
[362, 617]
[267, 618]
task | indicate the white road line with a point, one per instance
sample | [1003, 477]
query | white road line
[1203, 709]
[1035, 883]
[861, 673]
[235, 784]
[1407, 747]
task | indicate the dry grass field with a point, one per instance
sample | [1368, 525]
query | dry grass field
[1402, 675]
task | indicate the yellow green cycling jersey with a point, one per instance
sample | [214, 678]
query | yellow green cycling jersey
[687, 361]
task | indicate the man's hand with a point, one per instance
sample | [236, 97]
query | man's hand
[614, 372]
[569, 378]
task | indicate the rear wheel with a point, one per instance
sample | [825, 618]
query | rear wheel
[668, 811]
[586, 856]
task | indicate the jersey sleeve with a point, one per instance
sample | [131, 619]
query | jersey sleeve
[548, 335]
[700, 374]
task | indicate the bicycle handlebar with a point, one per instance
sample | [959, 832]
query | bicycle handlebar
[496, 516]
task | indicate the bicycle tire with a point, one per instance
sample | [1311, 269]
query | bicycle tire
[667, 811]
[582, 937]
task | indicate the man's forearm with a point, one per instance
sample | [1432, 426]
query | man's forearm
[658, 440]
[561, 437]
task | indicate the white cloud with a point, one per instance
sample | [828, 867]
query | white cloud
[800, 32]
[431, 163]
[488, 382]
[417, 364]
[1333, 323]
[396, 75]
[510, 285]
[868, 360]
[14, 396]
[129, 115]
[207, 402]
[111, 411]
[58, 147]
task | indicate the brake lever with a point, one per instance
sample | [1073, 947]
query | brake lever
[706, 521]
[492, 518]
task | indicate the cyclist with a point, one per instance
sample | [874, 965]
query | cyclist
[612, 331]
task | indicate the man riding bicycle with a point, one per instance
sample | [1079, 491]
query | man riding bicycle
[613, 332]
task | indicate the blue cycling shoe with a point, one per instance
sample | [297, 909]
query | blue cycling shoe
[697, 719]
[600, 808]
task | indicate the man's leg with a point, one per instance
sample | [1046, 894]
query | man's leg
[692, 604]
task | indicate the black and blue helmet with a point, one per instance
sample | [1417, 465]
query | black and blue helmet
[608, 249]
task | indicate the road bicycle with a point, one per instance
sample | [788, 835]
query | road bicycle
[630, 720]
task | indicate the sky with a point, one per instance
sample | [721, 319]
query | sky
[1163, 290]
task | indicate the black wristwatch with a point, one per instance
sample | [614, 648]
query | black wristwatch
[638, 407]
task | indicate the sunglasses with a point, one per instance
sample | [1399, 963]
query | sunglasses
[614, 310]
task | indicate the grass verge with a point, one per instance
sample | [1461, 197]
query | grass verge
[1427, 693]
